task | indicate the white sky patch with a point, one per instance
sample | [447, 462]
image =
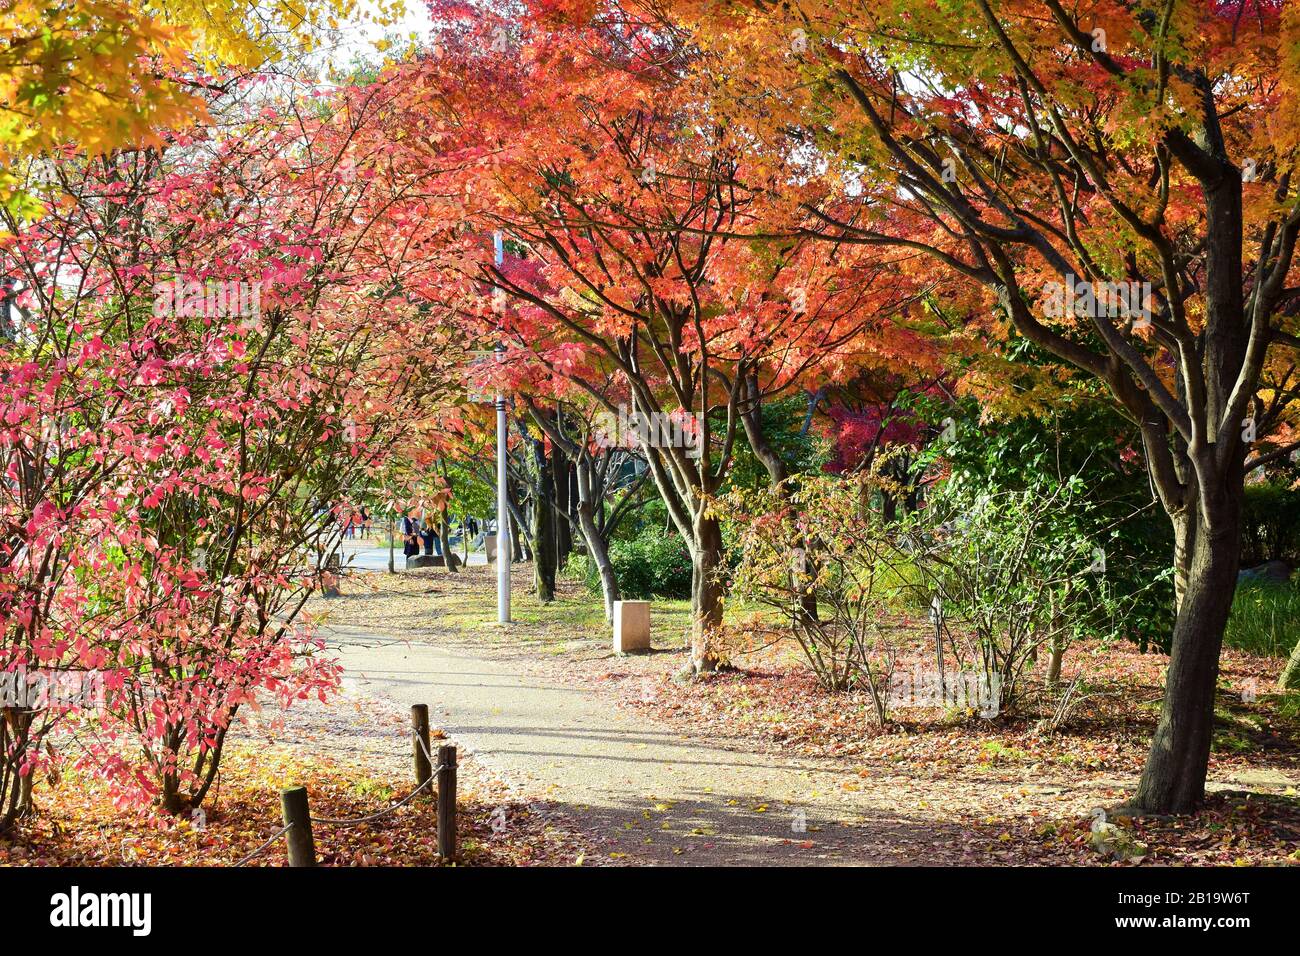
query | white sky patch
[357, 38]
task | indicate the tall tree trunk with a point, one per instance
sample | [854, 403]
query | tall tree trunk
[582, 499]
[1184, 547]
[543, 527]
[1056, 643]
[522, 552]
[518, 521]
[444, 540]
[392, 545]
[777, 472]
[706, 593]
[16, 792]
[1173, 780]
[566, 500]
[1290, 679]
[171, 799]
[26, 801]
[597, 547]
[1054, 661]
[444, 521]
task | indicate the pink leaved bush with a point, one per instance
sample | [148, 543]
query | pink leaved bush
[209, 360]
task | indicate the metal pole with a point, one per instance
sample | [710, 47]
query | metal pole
[503, 488]
[504, 545]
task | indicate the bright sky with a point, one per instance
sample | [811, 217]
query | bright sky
[358, 37]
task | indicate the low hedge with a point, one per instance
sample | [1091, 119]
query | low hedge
[653, 564]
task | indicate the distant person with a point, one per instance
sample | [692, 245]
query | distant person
[411, 545]
[432, 543]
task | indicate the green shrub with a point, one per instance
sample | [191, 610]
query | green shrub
[1019, 570]
[1114, 506]
[653, 564]
[1265, 619]
[1270, 525]
[849, 572]
[579, 568]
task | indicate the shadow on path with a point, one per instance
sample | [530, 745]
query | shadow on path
[644, 791]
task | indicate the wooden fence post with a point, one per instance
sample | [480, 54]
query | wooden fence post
[420, 743]
[330, 576]
[447, 802]
[297, 816]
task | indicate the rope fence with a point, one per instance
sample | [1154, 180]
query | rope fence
[382, 813]
[265, 846]
[441, 774]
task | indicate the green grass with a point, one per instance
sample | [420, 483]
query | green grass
[573, 615]
[1265, 619]
[997, 751]
[905, 585]
[366, 787]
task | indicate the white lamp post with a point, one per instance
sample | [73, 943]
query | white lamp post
[504, 539]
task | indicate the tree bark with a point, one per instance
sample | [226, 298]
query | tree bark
[444, 522]
[520, 548]
[687, 511]
[1054, 661]
[522, 552]
[597, 547]
[777, 472]
[706, 593]
[1173, 780]
[584, 497]
[1056, 643]
[566, 505]
[1184, 546]
[26, 802]
[1290, 679]
[444, 540]
[543, 527]
[392, 545]
[14, 730]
